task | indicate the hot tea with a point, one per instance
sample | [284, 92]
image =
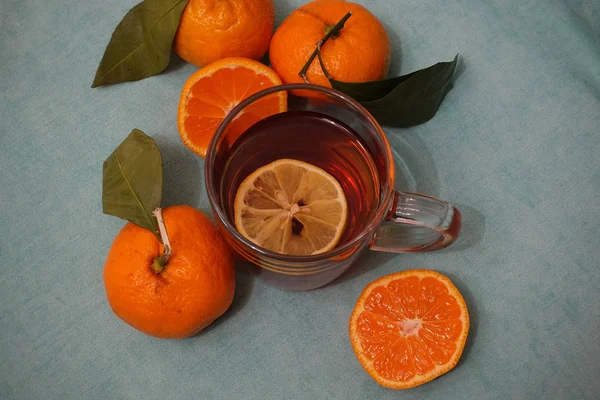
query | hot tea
[314, 138]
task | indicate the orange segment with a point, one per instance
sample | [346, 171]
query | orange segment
[213, 91]
[409, 327]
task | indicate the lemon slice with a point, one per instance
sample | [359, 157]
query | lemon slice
[291, 207]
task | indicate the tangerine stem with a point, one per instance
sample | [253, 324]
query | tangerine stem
[330, 32]
[323, 64]
[160, 262]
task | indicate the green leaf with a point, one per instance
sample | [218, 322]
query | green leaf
[405, 100]
[141, 44]
[132, 181]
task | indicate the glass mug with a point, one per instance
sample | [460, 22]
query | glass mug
[394, 221]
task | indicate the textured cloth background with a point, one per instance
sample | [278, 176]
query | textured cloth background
[515, 145]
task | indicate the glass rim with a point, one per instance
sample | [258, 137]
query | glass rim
[220, 214]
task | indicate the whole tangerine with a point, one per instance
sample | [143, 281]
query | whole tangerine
[210, 30]
[360, 52]
[178, 299]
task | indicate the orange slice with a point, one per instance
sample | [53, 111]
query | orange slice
[213, 91]
[409, 327]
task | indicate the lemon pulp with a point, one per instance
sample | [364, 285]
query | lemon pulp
[291, 207]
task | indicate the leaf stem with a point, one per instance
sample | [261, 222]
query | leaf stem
[160, 262]
[330, 32]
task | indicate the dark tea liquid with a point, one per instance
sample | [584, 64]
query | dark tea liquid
[314, 138]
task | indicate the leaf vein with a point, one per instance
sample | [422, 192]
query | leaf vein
[133, 191]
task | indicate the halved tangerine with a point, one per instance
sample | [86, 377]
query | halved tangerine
[213, 91]
[409, 327]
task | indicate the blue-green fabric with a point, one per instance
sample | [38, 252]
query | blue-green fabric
[515, 145]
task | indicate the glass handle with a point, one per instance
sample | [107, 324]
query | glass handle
[417, 222]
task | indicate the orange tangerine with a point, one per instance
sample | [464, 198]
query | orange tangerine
[213, 91]
[409, 327]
